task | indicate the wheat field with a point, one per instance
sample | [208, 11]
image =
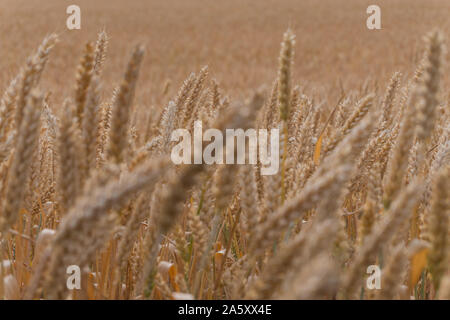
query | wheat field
[87, 178]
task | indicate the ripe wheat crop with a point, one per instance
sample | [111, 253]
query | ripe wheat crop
[86, 180]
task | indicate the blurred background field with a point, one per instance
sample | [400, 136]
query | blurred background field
[237, 39]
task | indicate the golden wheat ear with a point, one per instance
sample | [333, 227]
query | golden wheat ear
[19, 172]
[100, 52]
[118, 138]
